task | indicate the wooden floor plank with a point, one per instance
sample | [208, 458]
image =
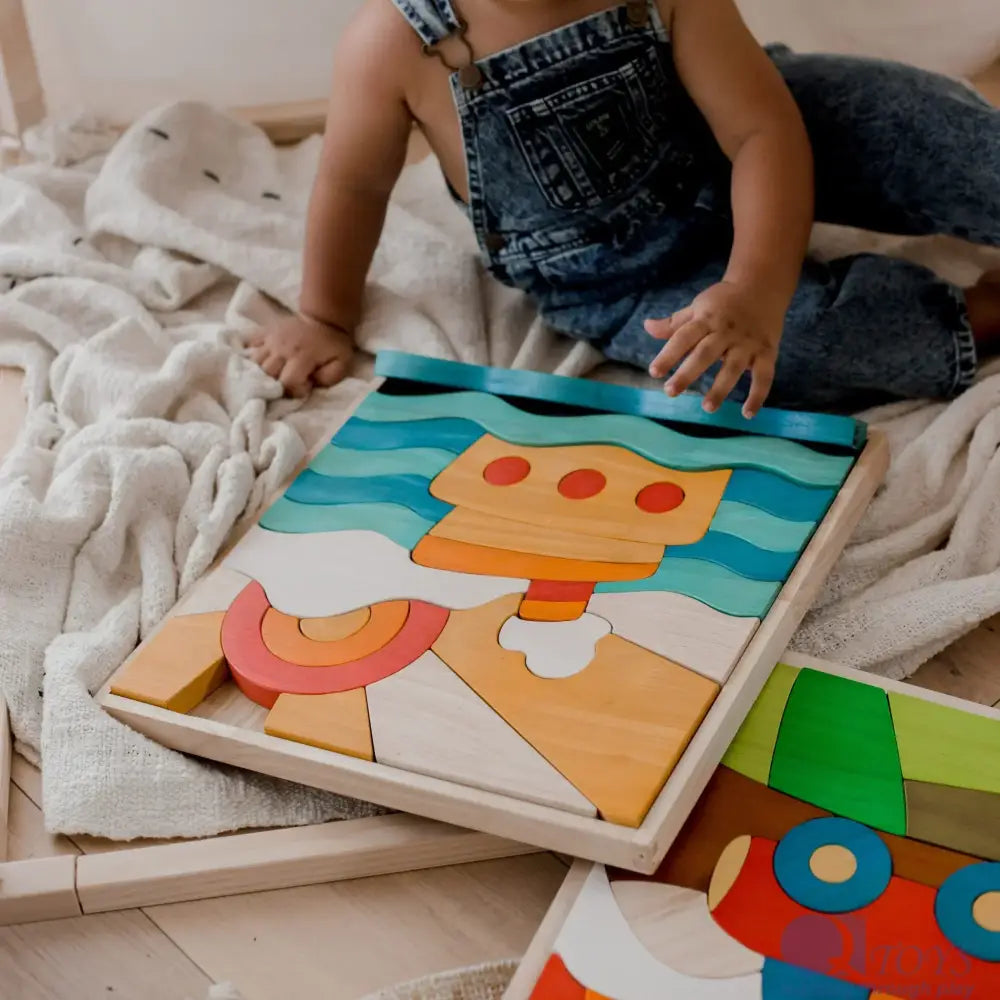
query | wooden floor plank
[28, 778]
[27, 837]
[969, 668]
[94, 958]
[359, 935]
[118, 954]
[341, 941]
[338, 940]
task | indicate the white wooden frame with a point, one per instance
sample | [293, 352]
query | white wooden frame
[132, 877]
[22, 102]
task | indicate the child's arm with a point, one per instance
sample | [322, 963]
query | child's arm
[364, 149]
[758, 125]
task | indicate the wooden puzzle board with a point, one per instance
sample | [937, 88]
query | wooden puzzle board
[845, 849]
[533, 606]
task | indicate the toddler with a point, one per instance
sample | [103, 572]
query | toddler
[649, 175]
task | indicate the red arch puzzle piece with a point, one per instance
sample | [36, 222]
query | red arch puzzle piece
[262, 676]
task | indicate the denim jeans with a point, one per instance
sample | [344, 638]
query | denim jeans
[596, 186]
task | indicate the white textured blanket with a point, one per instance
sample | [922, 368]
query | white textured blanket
[133, 275]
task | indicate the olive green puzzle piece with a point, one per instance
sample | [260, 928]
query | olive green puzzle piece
[958, 818]
[751, 751]
[836, 750]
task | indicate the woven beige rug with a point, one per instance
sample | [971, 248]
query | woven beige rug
[478, 982]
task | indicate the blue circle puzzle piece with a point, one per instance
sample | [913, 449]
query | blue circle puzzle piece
[953, 910]
[796, 878]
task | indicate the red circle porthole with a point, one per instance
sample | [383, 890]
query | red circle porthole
[658, 498]
[582, 484]
[507, 471]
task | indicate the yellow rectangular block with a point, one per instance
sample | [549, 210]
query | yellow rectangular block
[178, 667]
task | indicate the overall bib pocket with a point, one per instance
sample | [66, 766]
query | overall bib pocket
[596, 139]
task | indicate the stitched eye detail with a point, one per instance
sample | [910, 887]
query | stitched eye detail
[159, 132]
[212, 176]
[273, 196]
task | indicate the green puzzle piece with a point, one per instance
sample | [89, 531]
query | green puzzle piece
[945, 745]
[751, 752]
[836, 749]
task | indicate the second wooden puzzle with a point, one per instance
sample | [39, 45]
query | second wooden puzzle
[847, 848]
[483, 582]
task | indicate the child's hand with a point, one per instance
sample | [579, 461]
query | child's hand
[302, 353]
[729, 323]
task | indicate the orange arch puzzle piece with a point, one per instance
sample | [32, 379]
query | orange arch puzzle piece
[262, 676]
[284, 638]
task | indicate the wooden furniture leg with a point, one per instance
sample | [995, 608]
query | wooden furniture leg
[22, 103]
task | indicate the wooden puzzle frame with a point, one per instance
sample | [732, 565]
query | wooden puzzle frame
[543, 944]
[547, 827]
[125, 877]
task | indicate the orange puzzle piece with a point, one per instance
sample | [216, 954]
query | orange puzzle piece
[283, 637]
[337, 722]
[596, 490]
[615, 734]
[179, 666]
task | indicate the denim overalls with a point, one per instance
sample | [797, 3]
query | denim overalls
[596, 186]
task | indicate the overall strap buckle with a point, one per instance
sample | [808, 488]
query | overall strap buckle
[470, 76]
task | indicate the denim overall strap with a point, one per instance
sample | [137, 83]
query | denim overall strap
[575, 138]
[432, 20]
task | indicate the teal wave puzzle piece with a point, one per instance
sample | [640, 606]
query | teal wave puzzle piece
[406, 491]
[658, 444]
[337, 461]
[447, 433]
[778, 496]
[820, 428]
[760, 528]
[400, 524]
[737, 555]
[713, 585]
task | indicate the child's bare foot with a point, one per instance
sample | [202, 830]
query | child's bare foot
[302, 353]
